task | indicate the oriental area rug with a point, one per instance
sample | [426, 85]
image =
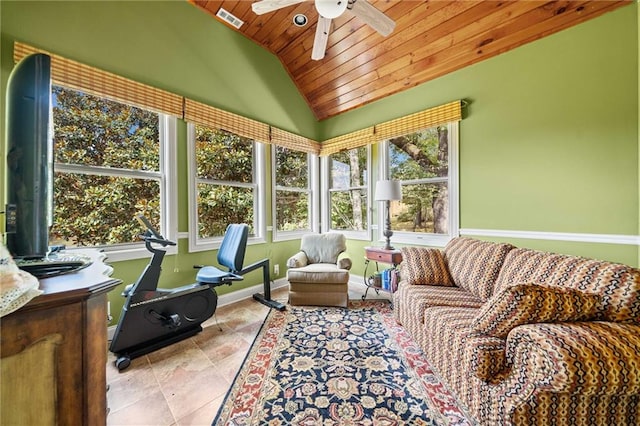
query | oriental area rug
[335, 366]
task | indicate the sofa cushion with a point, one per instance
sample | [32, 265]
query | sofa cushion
[533, 303]
[618, 285]
[474, 265]
[421, 265]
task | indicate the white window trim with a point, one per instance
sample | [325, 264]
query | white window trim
[213, 243]
[312, 163]
[167, 176]
[414, 238]
[365, 234]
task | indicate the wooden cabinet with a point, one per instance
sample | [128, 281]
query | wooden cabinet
[53, 351]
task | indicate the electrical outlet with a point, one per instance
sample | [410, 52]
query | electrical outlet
[276, 269]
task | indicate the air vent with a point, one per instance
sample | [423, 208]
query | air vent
[229, 18]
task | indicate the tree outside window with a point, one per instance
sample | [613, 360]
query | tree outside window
[422, 161]
[292, 190]
[348, 187]
[225, 181]
[107, 170]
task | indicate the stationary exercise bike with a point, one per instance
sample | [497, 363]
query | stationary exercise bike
[153, 318]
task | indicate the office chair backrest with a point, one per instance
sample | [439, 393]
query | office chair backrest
[233, 247]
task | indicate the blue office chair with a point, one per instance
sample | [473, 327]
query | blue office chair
[231, 256]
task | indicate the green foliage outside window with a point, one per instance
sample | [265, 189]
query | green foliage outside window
[93, 208]
[292, 193]
[226, 193]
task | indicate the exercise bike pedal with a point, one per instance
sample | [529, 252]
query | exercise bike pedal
[170, 321]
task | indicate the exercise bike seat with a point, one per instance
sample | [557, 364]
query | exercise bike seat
[230, 254]
[213, 275]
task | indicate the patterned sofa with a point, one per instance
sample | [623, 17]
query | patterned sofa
[526, 337]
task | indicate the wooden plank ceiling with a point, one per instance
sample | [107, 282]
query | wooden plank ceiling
[431, 38]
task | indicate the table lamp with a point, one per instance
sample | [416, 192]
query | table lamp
[387, 191]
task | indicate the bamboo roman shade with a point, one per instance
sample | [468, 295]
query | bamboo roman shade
[435, 116]
[198, 113]
[349, 141]
[420, 120]
[96, 82]
[294, 142]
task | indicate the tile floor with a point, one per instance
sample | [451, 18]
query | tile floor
[185, 383]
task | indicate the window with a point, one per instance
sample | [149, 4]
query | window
[227, 177]
[293, 198]
[347, 183]
[110, 165]
[426, 164]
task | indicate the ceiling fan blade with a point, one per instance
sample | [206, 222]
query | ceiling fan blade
[322, 37]
[373, 17]
[266, 6]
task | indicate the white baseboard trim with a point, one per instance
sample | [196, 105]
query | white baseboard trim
[555, 236]
[227, 299]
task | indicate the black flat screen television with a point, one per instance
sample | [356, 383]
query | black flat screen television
[29, 148]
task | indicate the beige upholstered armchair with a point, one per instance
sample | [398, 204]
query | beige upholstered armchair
[319, 273]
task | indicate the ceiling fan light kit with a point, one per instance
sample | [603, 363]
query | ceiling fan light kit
[331, 9]
[328, 10]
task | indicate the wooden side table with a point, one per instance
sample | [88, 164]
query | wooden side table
[379, 255]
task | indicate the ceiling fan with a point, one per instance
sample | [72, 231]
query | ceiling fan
[328, 10]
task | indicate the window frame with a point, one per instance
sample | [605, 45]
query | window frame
[418, 238]
[196, 243]
[366, 233]
[312, 168]
[166, 176]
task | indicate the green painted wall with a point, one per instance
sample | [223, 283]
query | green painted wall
[167, 44]
[550, 141]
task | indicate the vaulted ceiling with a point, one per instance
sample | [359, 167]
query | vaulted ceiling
[431, 38]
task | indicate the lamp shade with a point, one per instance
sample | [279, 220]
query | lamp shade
[388, 190]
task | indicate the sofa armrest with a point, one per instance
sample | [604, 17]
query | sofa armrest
[589, 358]
[298, 260]
[344, 261]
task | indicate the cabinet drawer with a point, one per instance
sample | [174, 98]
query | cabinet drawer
[393, 257]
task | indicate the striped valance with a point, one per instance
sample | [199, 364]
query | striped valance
[420, 120]
[199, 113]
[94, 81]
[293, 141]
[435, 116]
[349, 141]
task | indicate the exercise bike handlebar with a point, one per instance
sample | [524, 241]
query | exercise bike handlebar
[162, 241]
[151, 235]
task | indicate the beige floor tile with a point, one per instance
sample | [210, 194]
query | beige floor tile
[152, 410]
[130, 388]
[223, 346]
[187, 390]
[202, 416]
